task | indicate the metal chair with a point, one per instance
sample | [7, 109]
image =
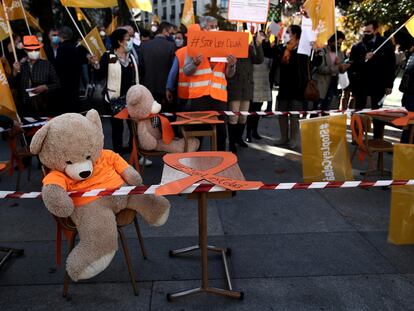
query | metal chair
[123, 219]
[137, 151]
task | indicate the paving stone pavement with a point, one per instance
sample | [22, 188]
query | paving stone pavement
[291, 250]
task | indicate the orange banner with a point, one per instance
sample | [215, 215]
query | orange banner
[228, 160]
[218, 43]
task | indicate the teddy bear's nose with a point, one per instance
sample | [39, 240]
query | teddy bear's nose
[84, 174]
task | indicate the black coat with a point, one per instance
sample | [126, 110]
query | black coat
[156, 58]
[293, 76]
[240, 86]
[373, 76]
[407, 82]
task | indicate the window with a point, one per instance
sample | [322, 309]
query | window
[195, 7]
[155, 2]
[172, 15]
[164, 13]
[181, 9]
[155, 11]
[224, 4]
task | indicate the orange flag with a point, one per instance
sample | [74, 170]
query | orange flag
[6, 99]
[188, 13]
[14, 9]
[4, 31]
[410, 25]
[112, 26]
[322, 13]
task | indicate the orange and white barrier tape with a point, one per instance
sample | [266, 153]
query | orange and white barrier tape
[197, 188]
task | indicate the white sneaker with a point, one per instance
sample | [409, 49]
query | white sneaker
[145, 162]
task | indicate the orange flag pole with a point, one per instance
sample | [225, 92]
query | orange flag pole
[6, 14]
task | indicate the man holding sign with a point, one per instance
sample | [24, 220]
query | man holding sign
[207, 78]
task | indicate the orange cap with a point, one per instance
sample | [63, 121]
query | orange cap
[31, 43]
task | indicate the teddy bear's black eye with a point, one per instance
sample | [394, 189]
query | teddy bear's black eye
[88, 157]
[68, 162]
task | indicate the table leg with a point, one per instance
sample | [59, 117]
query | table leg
[214, 138]
[204, 248]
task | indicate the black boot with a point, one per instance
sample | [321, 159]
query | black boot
[239, 137]
[249, 129]
[232, 128]
[255, 125]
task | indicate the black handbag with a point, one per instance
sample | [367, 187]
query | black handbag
[117, 104]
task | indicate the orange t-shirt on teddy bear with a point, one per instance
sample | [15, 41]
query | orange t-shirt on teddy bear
[106, 174]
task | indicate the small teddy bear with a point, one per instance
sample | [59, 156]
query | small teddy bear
[141, 106]
[71, 146]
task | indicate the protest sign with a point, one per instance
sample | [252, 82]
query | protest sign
[95, 43]
[254, 11]
[325, 154]
[218, 43]
[307, 38]
[401, 228]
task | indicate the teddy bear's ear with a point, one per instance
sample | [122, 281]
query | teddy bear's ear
[93, 116]
[38, 139]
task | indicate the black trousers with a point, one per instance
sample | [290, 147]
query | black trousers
[208, 103]
[117, 135]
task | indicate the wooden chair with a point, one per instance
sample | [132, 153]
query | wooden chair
[137, 151]
[19, 151]
[123, 219]
[361, 127]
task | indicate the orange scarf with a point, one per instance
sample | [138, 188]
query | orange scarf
[293, 43]
[166, 128]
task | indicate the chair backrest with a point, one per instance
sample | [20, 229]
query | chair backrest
[360, 127]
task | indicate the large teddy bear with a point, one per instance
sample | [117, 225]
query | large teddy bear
[71, 146]
[141, 106]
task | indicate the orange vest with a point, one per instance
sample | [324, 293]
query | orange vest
[182, 91]
[206, 81]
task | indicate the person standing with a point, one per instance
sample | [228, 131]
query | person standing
[69, 68]
[39, 77]
[329, 63]
[119, 68]
[261, 93]
[407, 88]
[293, 80]
[372, 75]
[156, 59]
[240, 92]
[206, 82]
[51, 49]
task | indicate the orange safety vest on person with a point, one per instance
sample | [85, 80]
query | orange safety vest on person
[206, 81]
[182, 91]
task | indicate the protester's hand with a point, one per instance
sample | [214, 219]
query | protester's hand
[40, 89]
[197, 60]
[16, 68]
[388, 91]
[169, 96]
[231, 60]
[369, 55]
[337, 60]
[93, 59]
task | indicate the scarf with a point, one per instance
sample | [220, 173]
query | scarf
[293, 43]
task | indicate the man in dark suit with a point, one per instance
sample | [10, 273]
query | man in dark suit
[156, 58]
[371, 75]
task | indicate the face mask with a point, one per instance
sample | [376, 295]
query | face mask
[286, 37]
[19, 45]
[55, 40]
[34, 55]
[40, 39]
[179, 42]
[129, 46]
[154, 28]
[367, 37]
[102, 33]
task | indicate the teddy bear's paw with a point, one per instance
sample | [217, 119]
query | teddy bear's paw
[193, 144]
[162, 219]
[96, 267]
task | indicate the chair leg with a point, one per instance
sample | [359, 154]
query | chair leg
[381, 163]
[354, 153]
[128, 261]
[66, 281]
[140, 238]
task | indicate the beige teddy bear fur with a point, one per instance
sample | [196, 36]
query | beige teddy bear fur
[70, 145]
[140, 105]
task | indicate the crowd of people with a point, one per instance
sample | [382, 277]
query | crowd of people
[158, 59]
